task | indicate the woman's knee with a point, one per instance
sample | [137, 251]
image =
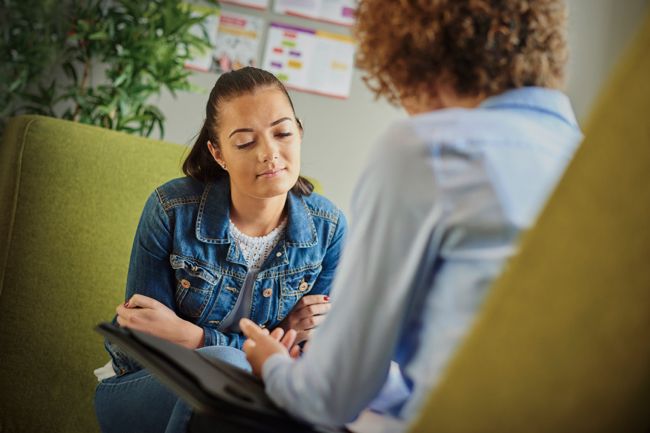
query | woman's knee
[227, 354]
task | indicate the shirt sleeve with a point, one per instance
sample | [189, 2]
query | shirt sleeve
[350, 354]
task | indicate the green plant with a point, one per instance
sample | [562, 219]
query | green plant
[141, 47]
[33, 35]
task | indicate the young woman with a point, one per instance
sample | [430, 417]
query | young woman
[441, 203]
[241, 236]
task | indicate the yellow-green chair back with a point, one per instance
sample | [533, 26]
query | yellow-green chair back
[563, 341]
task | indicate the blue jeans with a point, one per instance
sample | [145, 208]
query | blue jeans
[137, 403]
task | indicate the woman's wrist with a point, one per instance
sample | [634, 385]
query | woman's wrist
[193, 336]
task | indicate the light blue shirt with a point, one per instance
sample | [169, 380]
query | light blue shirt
[437, 211]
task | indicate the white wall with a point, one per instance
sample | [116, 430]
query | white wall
[339, 134]
[598, 33]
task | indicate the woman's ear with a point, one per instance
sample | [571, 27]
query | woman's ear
[300, 128]
[216, 154]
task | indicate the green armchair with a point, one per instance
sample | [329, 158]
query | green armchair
[71, 196]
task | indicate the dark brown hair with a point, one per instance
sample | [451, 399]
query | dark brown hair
[200, 164]
[477, 47]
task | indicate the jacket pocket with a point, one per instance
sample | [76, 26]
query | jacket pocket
[293, 287]
[195, 286]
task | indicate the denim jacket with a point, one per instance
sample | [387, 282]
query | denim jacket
[184, 257]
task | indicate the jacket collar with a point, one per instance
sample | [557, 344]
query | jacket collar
[214, 215]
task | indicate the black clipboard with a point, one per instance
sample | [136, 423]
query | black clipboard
[213, 388]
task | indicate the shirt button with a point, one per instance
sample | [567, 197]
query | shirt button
[278, 254]
[185, 284]
[267, 292]
[303, 286]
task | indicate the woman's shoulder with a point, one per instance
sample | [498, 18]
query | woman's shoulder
[183, 189]
[321, 206]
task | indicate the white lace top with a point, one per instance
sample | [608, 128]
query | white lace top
[257, 248]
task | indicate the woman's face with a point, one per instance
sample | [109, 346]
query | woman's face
[259, 143]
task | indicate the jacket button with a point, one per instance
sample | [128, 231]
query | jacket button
[185, 284]
[278, 254]
[303, 286]
[267, 292]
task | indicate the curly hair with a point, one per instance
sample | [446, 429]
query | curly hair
[478, 47]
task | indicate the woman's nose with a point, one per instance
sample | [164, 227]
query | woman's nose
[269, 151]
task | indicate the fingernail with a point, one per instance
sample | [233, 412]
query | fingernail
[327, 298]
[126, 304]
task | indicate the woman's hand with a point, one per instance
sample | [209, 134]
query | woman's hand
[260, 345]
[306, 315]
[148, 315]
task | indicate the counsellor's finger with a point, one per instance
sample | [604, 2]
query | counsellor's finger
[248, 345]
[251, 330]
[289, 338]
[277, 333]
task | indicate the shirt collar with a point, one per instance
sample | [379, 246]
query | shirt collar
[541, 99]
[214, 215]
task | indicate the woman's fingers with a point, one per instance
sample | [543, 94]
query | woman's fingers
[302, 336]
[121, 321]
[310, 322]
[130, 318]
[251, 330]
[312, 299]
[313, 310]
[295, 351]
[142, 301]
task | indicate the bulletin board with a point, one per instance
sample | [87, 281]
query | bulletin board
[306, 57]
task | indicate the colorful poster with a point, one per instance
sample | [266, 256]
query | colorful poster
[238, 42]
[255, 4]
[202, 61]
[332, 11]
[310, 60]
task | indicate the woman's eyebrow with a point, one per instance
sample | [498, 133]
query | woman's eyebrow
[240, 130]
[275, 122]
[279, 121]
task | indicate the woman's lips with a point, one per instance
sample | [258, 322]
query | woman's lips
[272, 173]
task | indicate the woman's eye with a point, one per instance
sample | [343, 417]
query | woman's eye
[283, 134]
[244, 145]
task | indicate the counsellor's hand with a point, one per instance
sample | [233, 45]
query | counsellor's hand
[308, 313]
[145, 314]
[260, 345]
